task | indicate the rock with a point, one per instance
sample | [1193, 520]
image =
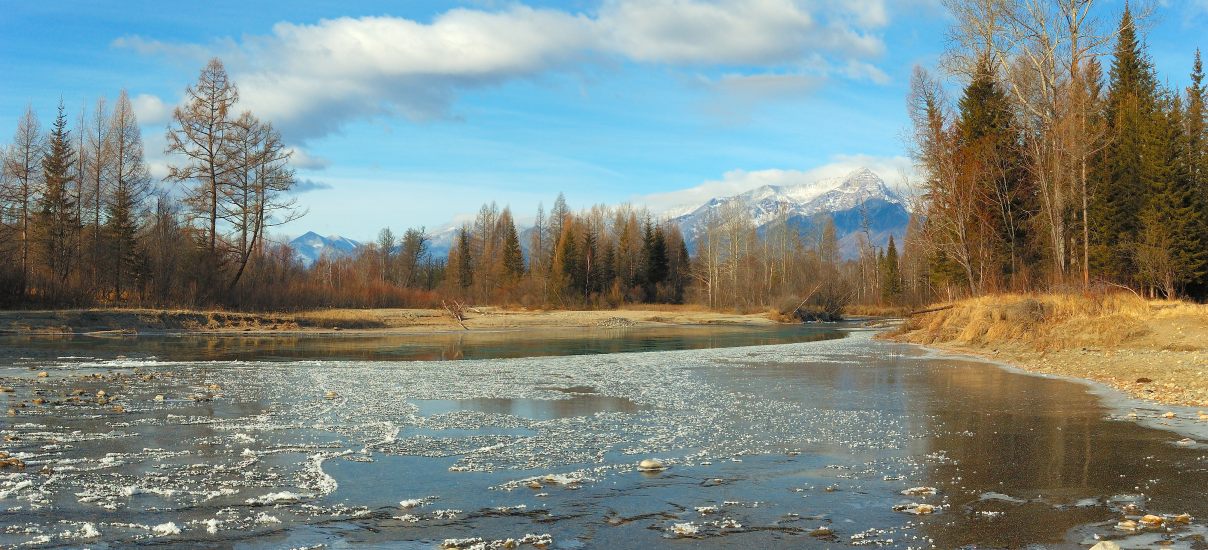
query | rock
[1204, 416]
[1127, 525]
[1144, 380]
[1182, 518]
[534, 485]
[920, 491]
[39, 401]
[1169, 415]
[119, 409]
[214, 387]
[159, 397]
[1150, 520]
[915, 508]
[1106, 545]
[12, 412]
[14, 463]
[651, 465]
[1185, 442]
[823, 531]
[6, 389]
[329, 395]
[43, 374]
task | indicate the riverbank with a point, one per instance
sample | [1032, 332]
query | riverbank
[134, 321]
[1151, 350]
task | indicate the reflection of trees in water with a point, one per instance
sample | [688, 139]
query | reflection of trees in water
[421, 347]
[1036, 439]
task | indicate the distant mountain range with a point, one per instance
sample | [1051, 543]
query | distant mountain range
[310, 247]
[849, 201]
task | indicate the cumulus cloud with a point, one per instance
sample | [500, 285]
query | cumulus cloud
[151, 110]
[310, 79]
[896, 171]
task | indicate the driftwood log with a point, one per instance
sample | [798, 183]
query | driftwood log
[457, 311]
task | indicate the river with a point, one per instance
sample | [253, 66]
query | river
[793, 436]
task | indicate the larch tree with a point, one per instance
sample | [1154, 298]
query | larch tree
[200, 136]
[24, 185]
[125, 204]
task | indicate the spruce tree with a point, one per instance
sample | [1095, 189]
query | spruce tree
[891, 282]
[1130, 114]
[513, 257]
[1170, 253]
[57, 222]
[988, 136]
[465, 262]
[1197, 162]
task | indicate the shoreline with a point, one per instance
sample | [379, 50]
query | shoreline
[1119, 404]
[1150, 351]
[132, 322]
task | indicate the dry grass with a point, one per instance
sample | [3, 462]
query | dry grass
[1155, 350]
[1047, 321]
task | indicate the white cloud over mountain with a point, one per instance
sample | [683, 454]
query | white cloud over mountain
[310, 79]
[895, 171]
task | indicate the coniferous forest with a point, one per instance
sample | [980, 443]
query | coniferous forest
[1050, 156]
[1065, 161]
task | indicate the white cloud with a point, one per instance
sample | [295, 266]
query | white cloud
[894, 170]
[151, 110]
[310, 79]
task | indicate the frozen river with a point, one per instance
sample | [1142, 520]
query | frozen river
[800, 437]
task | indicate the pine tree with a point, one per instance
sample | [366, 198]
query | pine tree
[1130, 112]
[57, 224]
[123, 207]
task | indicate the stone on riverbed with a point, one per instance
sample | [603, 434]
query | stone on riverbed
[1106, 545]
[651, 465]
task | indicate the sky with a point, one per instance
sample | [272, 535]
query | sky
[413, 113]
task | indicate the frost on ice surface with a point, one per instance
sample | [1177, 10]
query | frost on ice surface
[281, 497]
[166, 529]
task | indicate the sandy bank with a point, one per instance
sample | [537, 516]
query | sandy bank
[361, 320]
[1151, 350]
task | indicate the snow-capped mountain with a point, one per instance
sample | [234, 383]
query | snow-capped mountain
[848, 200]
[312, 246]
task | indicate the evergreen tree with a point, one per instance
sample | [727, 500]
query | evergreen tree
[123, 208]
[58, 226]
[1197, 160]
[465, 261]
[989, 139]
[891, 275]
[654, 254]
[1130, 113]
[1170, 252]
[513, 257]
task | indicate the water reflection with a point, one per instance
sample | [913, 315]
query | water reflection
[409, 347]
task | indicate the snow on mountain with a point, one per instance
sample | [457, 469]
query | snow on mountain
[310, 247]
[851, 200]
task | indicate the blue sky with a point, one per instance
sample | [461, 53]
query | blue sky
[410, 113]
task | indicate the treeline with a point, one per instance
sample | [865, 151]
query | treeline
[605, 257]
[1049, 171]
[83, 222]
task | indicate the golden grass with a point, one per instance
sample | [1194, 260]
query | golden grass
[1049, 321]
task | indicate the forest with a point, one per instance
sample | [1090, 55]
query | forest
[1063, 163]
[1047, 173]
